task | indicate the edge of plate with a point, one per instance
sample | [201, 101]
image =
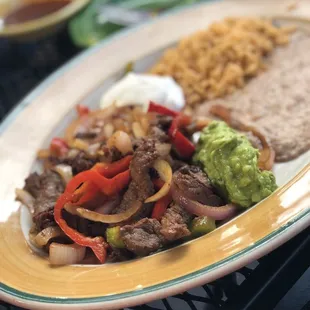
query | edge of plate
[219, 269]
[263, 246]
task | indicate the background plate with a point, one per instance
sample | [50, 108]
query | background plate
[27, 279]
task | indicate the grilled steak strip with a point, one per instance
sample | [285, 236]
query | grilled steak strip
[46, 188]
[143, 237]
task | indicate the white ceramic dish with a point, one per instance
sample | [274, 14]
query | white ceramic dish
[27, 279]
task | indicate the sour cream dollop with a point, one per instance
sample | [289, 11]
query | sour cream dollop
[140, 89]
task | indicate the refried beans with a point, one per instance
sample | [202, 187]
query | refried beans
[277, 101]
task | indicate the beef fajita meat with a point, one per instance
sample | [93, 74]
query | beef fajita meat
[142, 161]
[162, 122]
[51, 186]
[158, 134]
[149, 235]
[178, 164]
[194, 184]
[147, 152]
[87, 135]
[80, 162]
[141, 186]
[110, 154]
[84, 226]
[174, 223]
[44, 219]
[119, 255]
[143, 237]
[33, 184]
[136, 192]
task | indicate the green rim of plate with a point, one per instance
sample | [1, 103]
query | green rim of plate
[59, 300]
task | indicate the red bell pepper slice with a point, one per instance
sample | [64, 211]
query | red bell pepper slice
[158, 183]
[153, 107]
[184, 146]
[59, 147]
[107, 186]
[93, 181]
[97, 244]
[85, 193]
[82, 110]
[161, 206]
[107, 170]
[178, 122]
[113, 169]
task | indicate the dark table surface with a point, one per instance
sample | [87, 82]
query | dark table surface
[280, 280]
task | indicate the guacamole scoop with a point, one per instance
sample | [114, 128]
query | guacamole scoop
[230, 161]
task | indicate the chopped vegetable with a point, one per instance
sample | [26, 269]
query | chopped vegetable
[114, 237]
[109, 205]
[83, 124]
[183, 146]
[267, 154]
[45, 235]
[165, 172]
[137, 130]
[79, 144]
[112, 169]
[71, 208]
[197, 208]
[158, 183]
[82, 110]
[202, 225]
[161, 206]
[43, 154]
[110, 218]
[108, 130]
[97, 244]
[88, 190]
[25, 198]
[179, 122]
[107, 186]
[157, 108]
[65, 171]
[59, 147]
[201, 123]
[66, 254]
[121, 141]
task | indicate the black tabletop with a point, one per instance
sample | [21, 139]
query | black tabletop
[280, 280]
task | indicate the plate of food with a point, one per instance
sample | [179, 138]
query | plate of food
[158, 160]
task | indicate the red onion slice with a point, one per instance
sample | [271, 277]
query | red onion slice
[199, 209]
